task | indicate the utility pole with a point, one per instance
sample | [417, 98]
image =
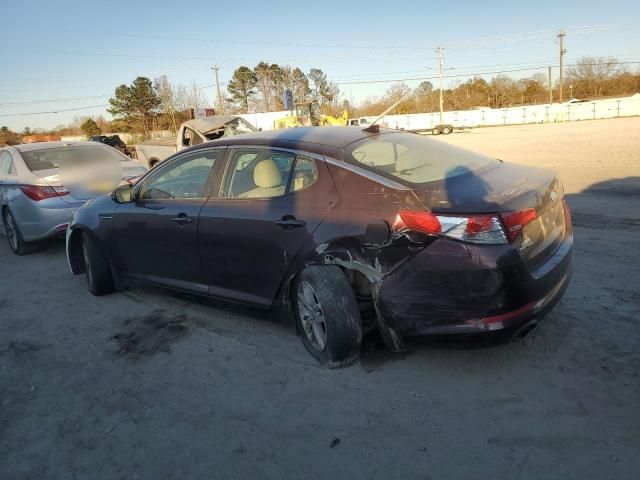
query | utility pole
[440, 53]
[550, 88]
[215, 68]
[562, 52]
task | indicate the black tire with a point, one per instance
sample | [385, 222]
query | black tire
[97, 270]
[338, 310]
[435, 131]
[16, 242]
[446, 130]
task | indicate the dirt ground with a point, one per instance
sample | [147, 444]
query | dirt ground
[145, 384]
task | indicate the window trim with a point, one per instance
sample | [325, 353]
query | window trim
[219, 193]
[139, 186]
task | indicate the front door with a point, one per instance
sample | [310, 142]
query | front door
[270, 203]
[157, 234]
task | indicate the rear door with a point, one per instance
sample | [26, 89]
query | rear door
[156, 235]
[269, 203]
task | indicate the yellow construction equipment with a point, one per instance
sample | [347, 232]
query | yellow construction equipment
[308, 114]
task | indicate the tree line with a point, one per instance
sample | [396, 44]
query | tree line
[147, 105]
[262, 89]
[589, 78]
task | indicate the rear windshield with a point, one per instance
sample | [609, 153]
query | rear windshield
[51, 158]
[413, 158]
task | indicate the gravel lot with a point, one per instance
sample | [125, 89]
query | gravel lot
[144, 384]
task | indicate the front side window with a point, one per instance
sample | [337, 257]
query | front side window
[180, 179]
[267, 174]
[413, 158]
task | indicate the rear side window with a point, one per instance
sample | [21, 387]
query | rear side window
[267, 174]
[414, 159]
[6, 164]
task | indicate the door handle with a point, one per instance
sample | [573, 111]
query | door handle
[182, 219]
[289, 221]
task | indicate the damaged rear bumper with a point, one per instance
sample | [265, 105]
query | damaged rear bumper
[456, 288]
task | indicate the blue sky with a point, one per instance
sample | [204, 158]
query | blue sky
[71, 49]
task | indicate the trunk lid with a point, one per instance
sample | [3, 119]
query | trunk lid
[501, 188]
[78, 193]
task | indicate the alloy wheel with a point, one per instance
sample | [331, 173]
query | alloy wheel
[12, 233]
[312, 316]
[87, 265]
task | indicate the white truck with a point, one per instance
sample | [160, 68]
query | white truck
[191, 132]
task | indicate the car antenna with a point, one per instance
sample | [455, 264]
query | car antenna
[373, 127]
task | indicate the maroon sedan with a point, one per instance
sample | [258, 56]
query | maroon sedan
[349, 230]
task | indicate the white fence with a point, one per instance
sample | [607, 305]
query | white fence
[545, 113]
[480, 117]
[549, 113]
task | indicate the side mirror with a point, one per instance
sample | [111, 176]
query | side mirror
[123, 194]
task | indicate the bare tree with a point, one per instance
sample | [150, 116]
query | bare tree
[394, 93]
[590, 75]
[166, 94]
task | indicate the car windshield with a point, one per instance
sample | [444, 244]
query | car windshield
[51, 158]
[413, 158]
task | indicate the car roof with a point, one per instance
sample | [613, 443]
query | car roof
[330, 141]
[28, 147]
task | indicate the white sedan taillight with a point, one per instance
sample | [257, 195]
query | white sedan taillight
[40, 192]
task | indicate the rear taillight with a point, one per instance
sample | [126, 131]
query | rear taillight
[514, 222]
[39, 192]
[486, 229]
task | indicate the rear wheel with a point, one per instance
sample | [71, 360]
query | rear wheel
[16, 242]
[327, 316]
[435, 131]
[98, 272]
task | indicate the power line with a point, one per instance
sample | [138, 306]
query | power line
[470, 74]
[53, 100]
[52, 111]
[500, 38]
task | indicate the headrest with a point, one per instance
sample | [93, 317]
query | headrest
[408, 161]
[266, 174]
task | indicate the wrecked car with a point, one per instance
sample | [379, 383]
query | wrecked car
[190, 133]
[349, 230]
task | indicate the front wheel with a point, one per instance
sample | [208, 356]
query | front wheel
[435, 131]
[16, 242]
[96, 266]
[446, 130]
[327, 316]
